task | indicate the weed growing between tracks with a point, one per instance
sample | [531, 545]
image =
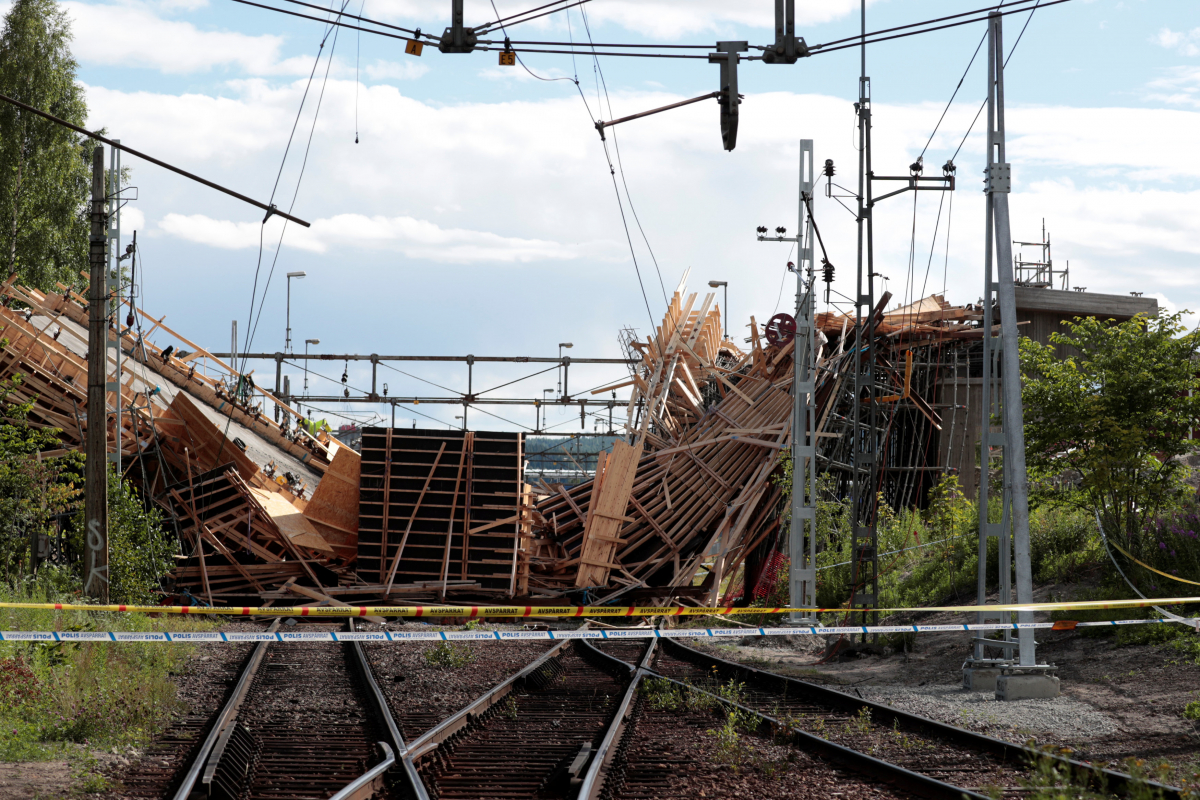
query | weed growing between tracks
[1051, 779]
[449, 655]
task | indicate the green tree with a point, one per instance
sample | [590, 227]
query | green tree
[31, 490]
[1103, 428]
[44, 167]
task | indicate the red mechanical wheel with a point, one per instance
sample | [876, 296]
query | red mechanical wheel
[781, 329]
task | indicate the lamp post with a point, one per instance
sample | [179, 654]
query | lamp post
[464, 424]
[561, 345]
[287, 341]
[723, 285]
[545, 399]
[307, 342]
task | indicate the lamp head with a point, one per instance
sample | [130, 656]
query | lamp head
[296, 274]
[718, 284]
[565, 344]
[312, 341]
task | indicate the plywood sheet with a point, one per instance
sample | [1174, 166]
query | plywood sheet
[335, 501]
[291, 522]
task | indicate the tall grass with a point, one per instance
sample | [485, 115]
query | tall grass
[98, 694]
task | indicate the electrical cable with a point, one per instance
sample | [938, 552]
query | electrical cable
[902, 35]
[857, 38]
[1007, 58]
[357, 56]
[482, 29]
[519, 59]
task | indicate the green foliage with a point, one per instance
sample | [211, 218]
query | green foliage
[1171, 544]
[449, 655]
[1192, 710]
[31, 491]
[44, 168]
[1103, 428]
[139, 551]
[54, 695]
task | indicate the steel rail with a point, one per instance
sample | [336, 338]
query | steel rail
[432, 738]
[366, 785]
[204, 766]
[859, 762]
[225, 718]
[601, 765]
[399, 748]
[1006, 751]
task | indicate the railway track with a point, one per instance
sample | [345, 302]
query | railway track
[305, 720]
[587, 718]
[917, 744]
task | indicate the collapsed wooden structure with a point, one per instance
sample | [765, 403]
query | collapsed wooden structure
[689, 498]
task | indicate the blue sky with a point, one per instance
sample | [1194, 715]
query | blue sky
[477, 214]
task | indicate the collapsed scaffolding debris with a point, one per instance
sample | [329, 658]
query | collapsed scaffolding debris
[689, 499]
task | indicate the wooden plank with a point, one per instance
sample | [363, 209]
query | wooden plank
[600, 535]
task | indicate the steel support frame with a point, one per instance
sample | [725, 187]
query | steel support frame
[802, 539]
[864, 539]
[1012, 532]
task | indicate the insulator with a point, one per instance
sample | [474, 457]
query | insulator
[781, 231]
[826, 270]
[761, 228]
[829, 168]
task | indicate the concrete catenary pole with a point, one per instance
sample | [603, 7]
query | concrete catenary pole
[96, 450]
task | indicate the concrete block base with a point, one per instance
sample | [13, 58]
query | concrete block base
[980, 679]
[1026, 687]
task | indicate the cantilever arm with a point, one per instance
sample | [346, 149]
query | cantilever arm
[601, 124]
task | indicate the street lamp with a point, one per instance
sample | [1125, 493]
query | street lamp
[464, 425]
[723, 285]
[561, 345]
[287, 342]
[307, 342]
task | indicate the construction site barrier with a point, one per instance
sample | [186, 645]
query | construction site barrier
[500, 636]
[472, 612]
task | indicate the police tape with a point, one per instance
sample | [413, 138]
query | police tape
[524, 636]
[472, 612]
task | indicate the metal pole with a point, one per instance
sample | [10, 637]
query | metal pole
[96, 465]
[287, 339]
[114, 288]
[278, 378]
[802, 542]
[1015, 476]
[864, 571]
[726, 288]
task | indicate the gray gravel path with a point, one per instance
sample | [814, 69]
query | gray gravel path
[1016, 721]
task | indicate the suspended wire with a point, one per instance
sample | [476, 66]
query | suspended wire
[620, 164]
[857, 38]
[858, 43]
[520, 60]
[482, 28]
[299, 179]
[357, 56]
[1007, 58]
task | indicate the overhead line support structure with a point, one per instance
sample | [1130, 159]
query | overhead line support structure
[1014, 499]
[802, 539]
[96, 446]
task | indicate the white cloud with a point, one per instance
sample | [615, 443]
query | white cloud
[413, 238]
[395, 70]
[133, 35]
[1179, 87]
[1186, 42]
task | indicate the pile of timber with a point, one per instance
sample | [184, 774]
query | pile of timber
[215, 464]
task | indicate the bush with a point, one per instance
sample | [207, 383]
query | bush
[100, 694]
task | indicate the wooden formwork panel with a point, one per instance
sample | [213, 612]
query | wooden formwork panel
[440, 506]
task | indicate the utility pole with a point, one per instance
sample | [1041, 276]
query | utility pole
[864, 536]
[114, 291]
[802, 540]
[1021, 676]
[802, 543]
[95, 510]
